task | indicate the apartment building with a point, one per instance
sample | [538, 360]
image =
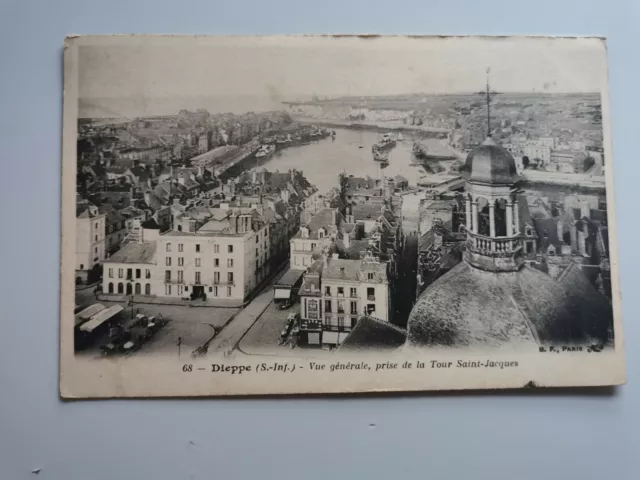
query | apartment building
[224, 257]
[308, 244]
[335, 293]
[90, 238]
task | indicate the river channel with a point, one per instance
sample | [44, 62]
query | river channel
[350, 152]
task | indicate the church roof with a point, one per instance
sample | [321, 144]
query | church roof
[373, 334]
[468, 306]
[490, 164]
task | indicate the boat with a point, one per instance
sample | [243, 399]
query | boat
[265, 151]
[386, 142]
[381, 156]
[420, 150]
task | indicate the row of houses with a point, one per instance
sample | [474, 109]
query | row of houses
[348, 251]
[213, 245]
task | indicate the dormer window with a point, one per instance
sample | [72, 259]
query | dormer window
[321, 233]
[304, 232]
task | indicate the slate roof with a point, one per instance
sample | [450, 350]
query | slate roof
[472, 307]
[372, 334]
[134, 252]
[338, 269]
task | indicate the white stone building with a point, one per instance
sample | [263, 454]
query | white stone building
[224, 258]
[90, 235]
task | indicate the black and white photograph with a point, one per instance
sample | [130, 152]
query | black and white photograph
[335, 214]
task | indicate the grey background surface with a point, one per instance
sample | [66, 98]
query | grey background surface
[512, 436]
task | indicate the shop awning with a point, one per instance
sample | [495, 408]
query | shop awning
[330, 337]
[282, 294]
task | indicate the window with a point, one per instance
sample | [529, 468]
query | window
[353, 292]
[110, 287]
[111, 273]
[120, 272]
[371, 308]
[96, 238]
[327, 291]
[295, 261]
[370, 276]
[180, 276]
[147, 289]
[216, 262]
[181, 247]
[147, 273]
[197, 262]
[129, 273]
[528, 232]
[230, 248]
[138, 273]
[120, 288]
[371, 293]
[168, 261]
[167, 289]
[354, 308]
[230, 262]
[257, 238]
[327, 306]
[230, 277]
[197, 247]
[216, 277]
[180, 288]
[180, 261]
[340, 306]
[215, 291]
[341, 291]
[96, 224]
[167, 275]
[197, 277]
[96, 250]
[216, 249]
[138, 289]
[228, 291]
[168, 247]
[257, 253]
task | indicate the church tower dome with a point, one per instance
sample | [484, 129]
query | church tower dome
[490, 164]
[492, 211]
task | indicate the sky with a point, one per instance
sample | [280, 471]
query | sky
[147, 75]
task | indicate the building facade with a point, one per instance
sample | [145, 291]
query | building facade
[335, 293]
[226, 258]
[90, 238]
[131, 270]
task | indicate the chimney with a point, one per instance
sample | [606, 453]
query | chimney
[585, 210]
[254, 176]
[149, 183]
[171, 171]
[346, 240]
[181, 180]
[560, 226]
[147, 198]
[176, 201]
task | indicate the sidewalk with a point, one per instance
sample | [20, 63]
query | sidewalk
[231, 334]
[237, 328]
[150, 300]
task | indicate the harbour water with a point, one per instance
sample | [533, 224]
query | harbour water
[349, 152]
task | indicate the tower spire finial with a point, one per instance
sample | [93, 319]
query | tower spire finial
[488, 94]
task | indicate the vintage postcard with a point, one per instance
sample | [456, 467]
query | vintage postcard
[334, 214]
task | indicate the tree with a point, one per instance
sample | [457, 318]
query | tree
[525, 161]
